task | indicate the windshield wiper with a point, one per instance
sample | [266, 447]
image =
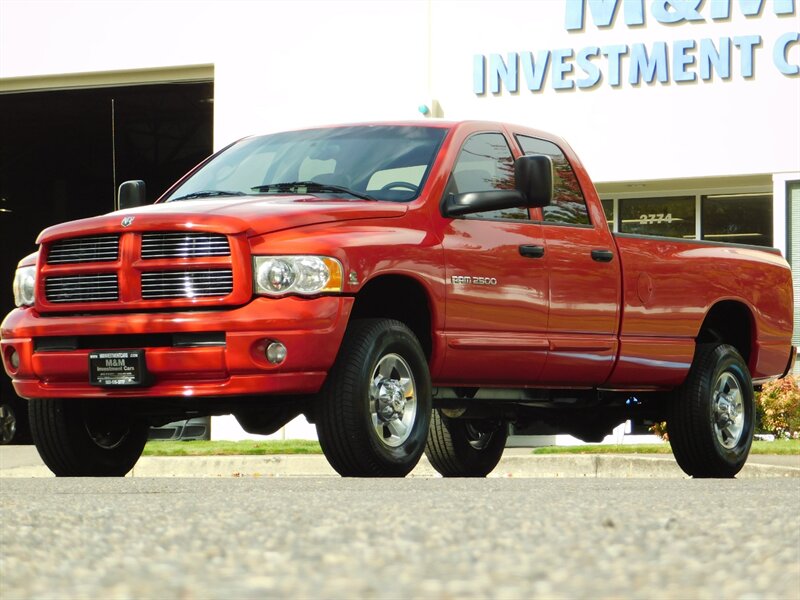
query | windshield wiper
[206, 194]
[301, 187]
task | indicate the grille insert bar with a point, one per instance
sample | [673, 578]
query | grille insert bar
[184, 244]
[102, 287]
[187, 284]
[96, 248]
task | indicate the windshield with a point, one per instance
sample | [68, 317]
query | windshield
[370, 162]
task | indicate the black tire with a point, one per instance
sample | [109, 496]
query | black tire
[356, 439]
[79, 438]
[712, 417]
[463, 447]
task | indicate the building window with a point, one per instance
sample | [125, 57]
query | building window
[793, 252]
[669, 217]
[738, 218]
[608, 208]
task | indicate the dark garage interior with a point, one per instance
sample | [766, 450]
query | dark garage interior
[63, 153]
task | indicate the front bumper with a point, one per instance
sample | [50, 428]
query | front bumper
[311, 330]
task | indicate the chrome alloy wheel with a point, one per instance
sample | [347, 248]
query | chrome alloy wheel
[728, 410]
[106, 430]
[477, 438]
[393, 400]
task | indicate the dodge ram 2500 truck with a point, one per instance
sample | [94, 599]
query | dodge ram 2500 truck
[409, 287]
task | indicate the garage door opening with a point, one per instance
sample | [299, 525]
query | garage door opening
[63, 152]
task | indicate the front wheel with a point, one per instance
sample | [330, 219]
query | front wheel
[713, 414]
[81, 438]
[374, 409]
[465, 447]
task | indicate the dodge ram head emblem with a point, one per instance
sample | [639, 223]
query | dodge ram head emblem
[126, 222]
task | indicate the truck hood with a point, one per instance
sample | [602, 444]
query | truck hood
[253, 215]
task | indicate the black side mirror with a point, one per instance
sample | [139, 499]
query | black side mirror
[457, 205]
[534, 177]
[131, 194]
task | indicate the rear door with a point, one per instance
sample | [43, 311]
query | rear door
[496, 305]
[584, 279]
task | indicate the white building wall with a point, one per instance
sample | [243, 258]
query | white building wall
[650, 131]
[277, 64]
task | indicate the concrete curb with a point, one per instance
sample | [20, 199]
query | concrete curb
[523, 466]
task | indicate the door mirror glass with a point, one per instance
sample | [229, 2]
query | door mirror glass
[534, 178]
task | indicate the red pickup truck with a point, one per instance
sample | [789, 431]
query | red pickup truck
[410, 287]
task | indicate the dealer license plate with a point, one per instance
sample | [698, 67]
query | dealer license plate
[117, 367]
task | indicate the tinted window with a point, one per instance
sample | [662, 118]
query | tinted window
[486, 164]
[568, 204]
[739, 218]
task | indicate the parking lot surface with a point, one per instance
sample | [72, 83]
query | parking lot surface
[425, 538]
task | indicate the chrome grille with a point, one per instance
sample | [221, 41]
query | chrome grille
[96, 248]
[82, 288]
[187, 284]
[184, 244]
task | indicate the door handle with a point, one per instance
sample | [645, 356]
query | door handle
[602, 255]
[532, 251]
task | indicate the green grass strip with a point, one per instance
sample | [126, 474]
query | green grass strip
[221, 448]
[260, 447]
[776, 447]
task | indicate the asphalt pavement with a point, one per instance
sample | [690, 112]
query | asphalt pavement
[197, 538]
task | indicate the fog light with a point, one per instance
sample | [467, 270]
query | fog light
[13, 358]
[276, 353]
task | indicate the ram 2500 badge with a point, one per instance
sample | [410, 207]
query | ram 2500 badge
[410, 288]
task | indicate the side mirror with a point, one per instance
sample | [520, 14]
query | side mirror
[131, 194]
[534, 177]
[458, 205]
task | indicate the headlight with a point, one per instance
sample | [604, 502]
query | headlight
[25, 286]
[307, 275]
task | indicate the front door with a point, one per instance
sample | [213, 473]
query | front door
[497, 282]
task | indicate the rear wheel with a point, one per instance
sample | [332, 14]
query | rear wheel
[465, 447]
[81, 438]
[8, 423]
[374, 409]
[713, 414]
[13, 419]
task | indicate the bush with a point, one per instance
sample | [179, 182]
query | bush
[660, 429]
[779, 407]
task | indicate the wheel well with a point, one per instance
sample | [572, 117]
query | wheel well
[397, 297]
[729, 322]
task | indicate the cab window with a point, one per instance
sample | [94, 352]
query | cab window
[485, 164]
[568, 206]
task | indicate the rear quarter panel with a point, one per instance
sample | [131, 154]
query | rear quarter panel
[669, 286]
